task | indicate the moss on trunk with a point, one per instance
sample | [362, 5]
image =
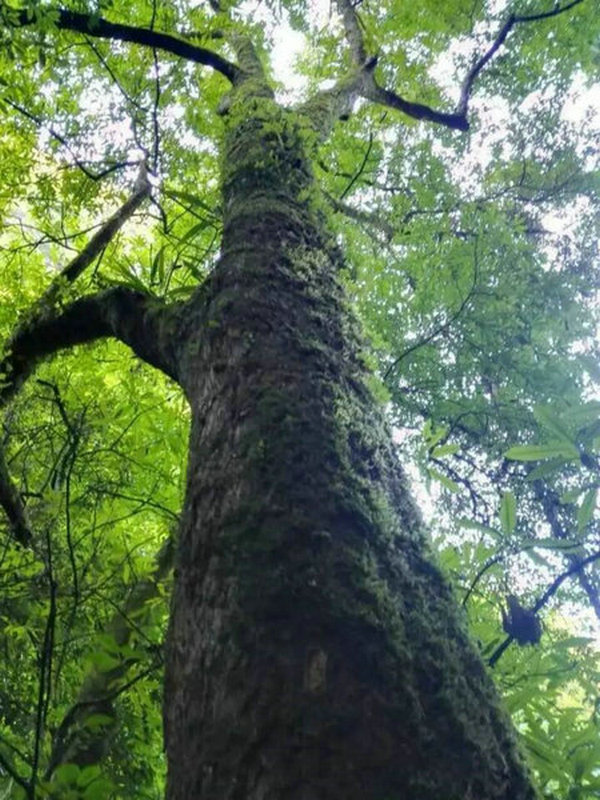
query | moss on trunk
[315, 652]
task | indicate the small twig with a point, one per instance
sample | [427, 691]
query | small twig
[360, 169]
[480, 573]
[441, 328]
[94, 176]
[45, 666]
[114, 78]
[10, 770]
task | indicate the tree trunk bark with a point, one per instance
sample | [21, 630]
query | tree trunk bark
[314, 652]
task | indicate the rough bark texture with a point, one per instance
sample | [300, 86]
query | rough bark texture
[315, 653]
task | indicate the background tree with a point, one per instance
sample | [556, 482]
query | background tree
[314, 650]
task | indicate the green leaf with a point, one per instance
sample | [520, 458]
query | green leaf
[571, 496]
[539, 452]
[193, 200]
[548, 419]
[103, 661]
[445, 450]
[586, 509]
[552, 544]
[195, 230]
[157, 271]
[67, 773]
[447, 482]
[508, 512]
[100, 789]
[545, 469]
[477, 526]
[584, 413]
[574, 641]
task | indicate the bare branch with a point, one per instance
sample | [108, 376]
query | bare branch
[101, 238]
[103, 29]
[386, 97]
[42, 310]
[352, 29]
[369, 87]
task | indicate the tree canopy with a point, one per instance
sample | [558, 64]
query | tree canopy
[461, 187]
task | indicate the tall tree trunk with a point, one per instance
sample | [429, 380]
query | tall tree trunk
[315, 652]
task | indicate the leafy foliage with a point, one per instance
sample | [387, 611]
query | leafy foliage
[470, 258]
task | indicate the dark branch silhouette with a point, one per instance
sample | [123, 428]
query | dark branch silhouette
[541, 602]
[103, 29]
[456, 120]
[514, 19]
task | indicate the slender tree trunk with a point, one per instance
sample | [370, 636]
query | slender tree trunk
[315, 653]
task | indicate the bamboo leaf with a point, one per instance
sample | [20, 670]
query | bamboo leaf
[540, 452]
[508, 512]
[586, 509]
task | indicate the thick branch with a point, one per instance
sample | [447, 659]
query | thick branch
[45, 330]
[11, 502]
[103, 29]
[99, 240]
[457, 120]
[353, 30]
[386, 97]
[371, 90]
[132, 317]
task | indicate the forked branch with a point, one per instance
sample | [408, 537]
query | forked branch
[45, 331]
[458, 120]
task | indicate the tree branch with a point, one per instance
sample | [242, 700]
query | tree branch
[94, 176]
[549, 501]
[550, 592]
[457, 120]
[386, 97]
[353, 30]
[103, 29]
[371, 220]
[132, 317]
[13, 505]
[510, 23]
[100, 239]
[10, 770]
